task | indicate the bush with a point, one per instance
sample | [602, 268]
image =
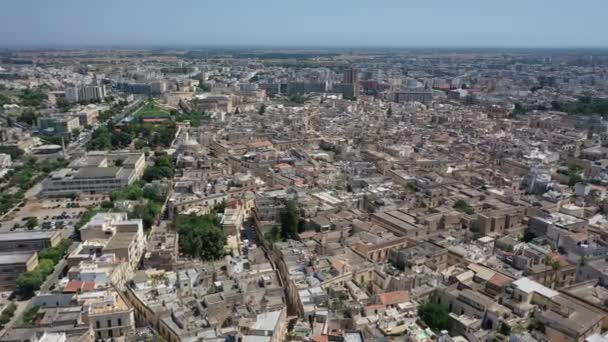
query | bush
[464, 207]
[434, 315]
[30, 316]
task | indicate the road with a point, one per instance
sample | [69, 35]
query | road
[79, 145]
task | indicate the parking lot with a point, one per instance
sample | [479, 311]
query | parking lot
[51, 214]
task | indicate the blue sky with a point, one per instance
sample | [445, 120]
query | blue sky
[340, 23]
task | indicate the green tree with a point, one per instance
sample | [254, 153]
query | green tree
[32, 222]
[163, 168]
[29, 117]
[434, 315]
[29, 282]
[200, 236]
[464, 207]
[389, 111]
[262, 109]
[290, 218]
[147, 212]
[32, 97]
[528, 236]
[519, 109]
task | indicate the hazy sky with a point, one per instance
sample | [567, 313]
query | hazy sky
[434, 23]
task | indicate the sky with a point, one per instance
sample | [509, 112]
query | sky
[307, 23]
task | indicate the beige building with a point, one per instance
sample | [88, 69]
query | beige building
[114, 233]
[272, 325]
[108, 313]
[96, 172]
[14, 263]
[29, 241]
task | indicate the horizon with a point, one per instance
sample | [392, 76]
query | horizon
[518, 24]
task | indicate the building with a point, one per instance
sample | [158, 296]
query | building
[422, 96]
[95, 172]
[162, 250]
[271, 89]
[108, 313]
[348, 90]
[58, 125]
[350, 76]
[268, 327]
[86, 93]
[117, 235]
[157, 88]
[13, 264]
[29, 241]
[306, 87]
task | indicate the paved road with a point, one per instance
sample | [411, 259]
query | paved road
[79, 145]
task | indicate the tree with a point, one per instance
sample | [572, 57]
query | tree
[528, 236]
[32, 97]
[146, 212]
[29, 282]
[163, 168]
[32, 222]
[519, 109]
[29, 117]
[389, 111]
[262, 109]
[464, 207]
[290, 219]
[434, 315]
[200, 236]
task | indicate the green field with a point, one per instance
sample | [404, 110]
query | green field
[151, 109]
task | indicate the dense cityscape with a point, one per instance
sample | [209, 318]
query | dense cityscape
[306, 195]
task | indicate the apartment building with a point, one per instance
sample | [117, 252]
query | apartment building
[108, 313]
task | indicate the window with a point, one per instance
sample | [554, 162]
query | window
[109, 323]
[119, 321]
[111, 333]
[98, 325]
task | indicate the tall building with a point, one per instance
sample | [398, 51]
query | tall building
[350, 76]
[85, 93]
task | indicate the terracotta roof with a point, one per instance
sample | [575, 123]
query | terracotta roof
[339, 265]
[500, 280]
[582, 236]
[395, 297]
[75, 285]
[320, 338]
[563, 262]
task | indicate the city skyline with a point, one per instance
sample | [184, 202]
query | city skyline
[468, 24]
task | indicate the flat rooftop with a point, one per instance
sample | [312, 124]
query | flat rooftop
[24, 236]
[15, 258]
